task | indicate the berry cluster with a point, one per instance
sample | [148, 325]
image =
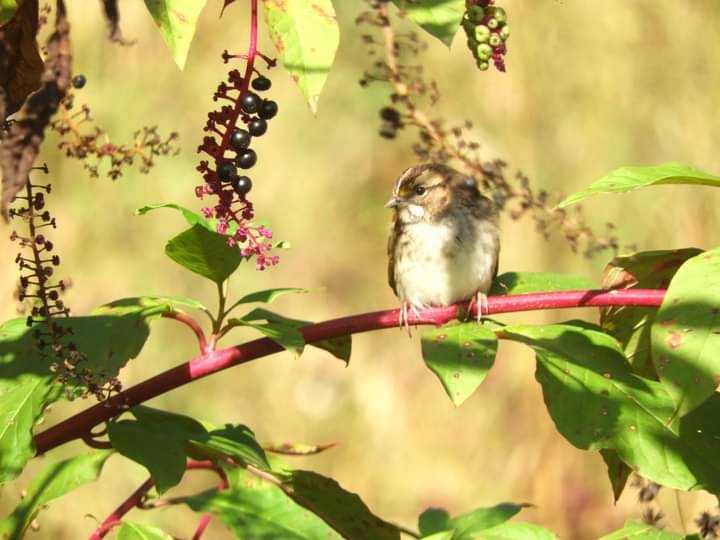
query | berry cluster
[391, 122]
[487, 31]
[233, 153]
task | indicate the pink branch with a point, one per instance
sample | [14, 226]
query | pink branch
[192, 324]
[115, 519]
[214, 361]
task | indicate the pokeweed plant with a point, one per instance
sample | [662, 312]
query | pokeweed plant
[639, 387]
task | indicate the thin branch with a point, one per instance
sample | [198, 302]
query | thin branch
[192, 324]
[214, 361]
[128, 504]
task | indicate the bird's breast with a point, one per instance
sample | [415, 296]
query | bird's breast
[444, 262]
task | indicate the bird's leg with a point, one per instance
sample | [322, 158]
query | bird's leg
[481, 300]
[403, 318]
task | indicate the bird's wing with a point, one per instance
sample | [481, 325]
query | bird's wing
[392, 244]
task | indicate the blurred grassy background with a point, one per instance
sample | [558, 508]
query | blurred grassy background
[589, 88]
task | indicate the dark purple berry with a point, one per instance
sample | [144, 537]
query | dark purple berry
[241, 185]
[246, 159]
[240, 139]
[261, 83]
[79, 81]
[390, 114]
[250, 102]
[226, 171]
[257, 127]
[268, 109]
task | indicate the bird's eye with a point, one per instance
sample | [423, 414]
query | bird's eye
[420, 190]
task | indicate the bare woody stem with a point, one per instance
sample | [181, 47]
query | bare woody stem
[213, 361]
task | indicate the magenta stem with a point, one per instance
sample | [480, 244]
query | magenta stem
[213, 361]
[193, 325]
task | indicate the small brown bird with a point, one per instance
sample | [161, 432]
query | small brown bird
[444, 243]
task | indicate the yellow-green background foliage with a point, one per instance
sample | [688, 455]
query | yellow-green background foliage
[590, 86]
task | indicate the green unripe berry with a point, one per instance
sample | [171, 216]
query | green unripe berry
[495, 40]
[468, 25]
[499, 14]
[492, 23]
[476, 14]
[482, 65]
[471, 43]
[484, 51]
[482, 33]
[505, 32]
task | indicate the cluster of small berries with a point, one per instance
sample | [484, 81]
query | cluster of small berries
[233, 152]
[391, 122]
[38, 292]
[487, 31]
[81, 140]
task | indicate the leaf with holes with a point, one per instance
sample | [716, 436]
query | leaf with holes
[686, 332]
[176, 20]
[461, 356]
[204, 252]
[596, 402]
[529, 282]
[306, 36]
[52, 483]
[439, 18]
[631, 325]
[629, 178]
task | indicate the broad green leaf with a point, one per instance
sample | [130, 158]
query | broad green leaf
[53, 482]
[596, 402]
[171, 438]
[269, 295]
[342, 510]
[288, 337]
[433, 520]
[629, 178]
[163, 457]
[460, 355]
[21, 407]
[466, 526]
[306, 36]
[685, 337]
[192, 218]
[440, 18]
[148, 306]
[340, 347]
[442, 535]
[637, 530]
[204, 252]
[529, 282]
[631, 325]
[298, 449]
[254, 508]
[8, 9]
[514, 530]
[176, 20]
[138, 531]
[617, 470]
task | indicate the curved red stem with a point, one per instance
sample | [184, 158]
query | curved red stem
[192, 324]
[214, 361]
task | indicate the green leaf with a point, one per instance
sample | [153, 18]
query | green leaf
[161, 441]
[254, 508]
[163, 457]
[8, 9]
[517, 531]
[269, 295]
[685, 336]
[597, 402]
[433, 520]
[638, 530]
[176, 20]
[285, 335]
[306, 36]
[204, 252]
[631, 325]
[148, 306]
[138, 531]
[191, 217]
[629, 178]
[440, 18]
[467, 525]
[53, 482]
[342, 510]
[298, 449]
[461, 356]
[340, 347]
[618, 471]
[529, 282]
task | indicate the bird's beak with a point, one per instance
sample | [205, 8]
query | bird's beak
[392, 203]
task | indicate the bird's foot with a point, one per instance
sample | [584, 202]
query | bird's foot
[403, 319]
[481, 300]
